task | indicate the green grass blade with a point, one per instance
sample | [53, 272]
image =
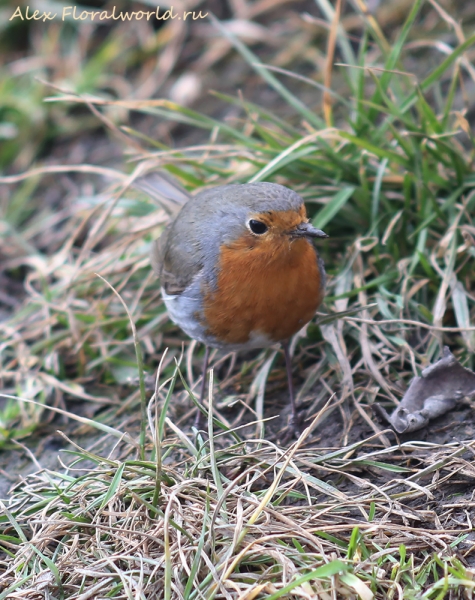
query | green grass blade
[255, 63]
[333, 207]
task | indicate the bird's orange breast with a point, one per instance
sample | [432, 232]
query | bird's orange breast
[270, 289]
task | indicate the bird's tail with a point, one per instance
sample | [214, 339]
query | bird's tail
[164, 189]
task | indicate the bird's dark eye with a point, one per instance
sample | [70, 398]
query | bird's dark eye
[257, 227]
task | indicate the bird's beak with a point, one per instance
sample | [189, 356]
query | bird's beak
[307, 230]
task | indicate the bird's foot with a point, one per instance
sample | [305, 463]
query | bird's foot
[293, 429]
[199, 422]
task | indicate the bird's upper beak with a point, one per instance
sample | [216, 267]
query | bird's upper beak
[308, 230]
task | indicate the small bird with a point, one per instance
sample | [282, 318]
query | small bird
[238, 268]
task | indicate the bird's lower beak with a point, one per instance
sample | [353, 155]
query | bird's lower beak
[308, 230]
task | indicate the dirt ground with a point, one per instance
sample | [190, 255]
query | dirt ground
[45, 447]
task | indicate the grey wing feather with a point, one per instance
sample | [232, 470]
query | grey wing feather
[171, 280]
[174, 261]
[175, 267]
[158, 250]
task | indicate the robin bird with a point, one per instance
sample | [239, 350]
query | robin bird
[238, 267]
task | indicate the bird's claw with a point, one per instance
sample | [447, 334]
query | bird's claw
[293, 429]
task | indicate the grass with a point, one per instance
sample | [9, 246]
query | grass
[382, 150]
[271, 524]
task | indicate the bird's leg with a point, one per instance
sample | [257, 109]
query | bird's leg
[294, 419]
[199, 422]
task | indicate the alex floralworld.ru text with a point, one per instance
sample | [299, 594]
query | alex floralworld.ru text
[71, 12]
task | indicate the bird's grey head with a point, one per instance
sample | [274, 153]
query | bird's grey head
[228, 212]
[256, 214]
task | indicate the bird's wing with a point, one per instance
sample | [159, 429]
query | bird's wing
[170, 261]
[177, 256]
[158, 250]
